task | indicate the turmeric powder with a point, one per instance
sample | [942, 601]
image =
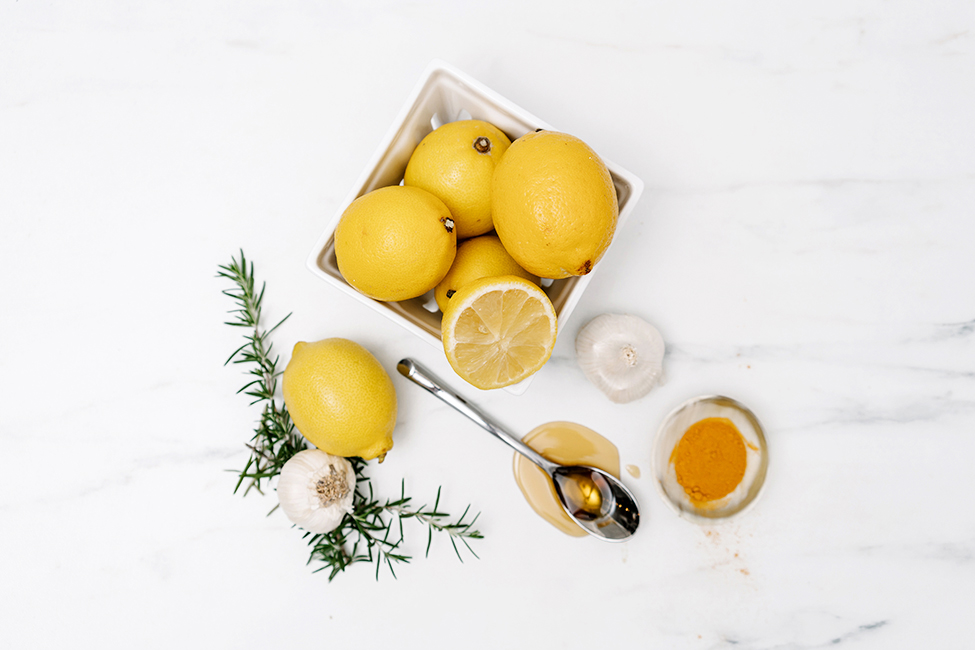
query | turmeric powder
[710, 459]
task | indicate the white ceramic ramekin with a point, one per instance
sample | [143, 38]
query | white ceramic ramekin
[445, 94]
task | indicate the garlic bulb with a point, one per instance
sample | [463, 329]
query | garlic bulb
[315, 490]
[622, 355]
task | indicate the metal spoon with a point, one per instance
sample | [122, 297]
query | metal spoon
[594, 499]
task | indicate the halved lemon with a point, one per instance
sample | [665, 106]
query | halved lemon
[498, 331]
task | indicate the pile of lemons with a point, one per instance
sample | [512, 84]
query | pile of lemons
[479, 220]
[552, 207]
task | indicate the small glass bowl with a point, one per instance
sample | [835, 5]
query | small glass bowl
[672, 430]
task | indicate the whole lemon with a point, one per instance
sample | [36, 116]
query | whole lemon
[554, 204]
[479, 257]
[455, 163]
[395, 243]
[340, 398]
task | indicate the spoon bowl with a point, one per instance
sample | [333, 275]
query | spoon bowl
[596, 500]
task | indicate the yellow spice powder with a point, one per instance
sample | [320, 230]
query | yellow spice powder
[710, 459]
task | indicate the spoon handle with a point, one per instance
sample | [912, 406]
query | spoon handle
[422, 378]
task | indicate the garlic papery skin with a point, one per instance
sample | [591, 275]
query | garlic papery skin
[621, 355]
[316, 489]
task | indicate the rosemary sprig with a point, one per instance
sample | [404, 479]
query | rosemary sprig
[366, 534]
[275, 438]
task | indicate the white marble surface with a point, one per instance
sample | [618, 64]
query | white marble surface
[805, 244]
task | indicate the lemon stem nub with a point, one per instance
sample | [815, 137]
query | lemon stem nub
[482, 145]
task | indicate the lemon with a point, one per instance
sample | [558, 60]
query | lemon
[497, 331]
[395, 243]
[554, 204]
[340, 398]
[455, 163]
[480, 257]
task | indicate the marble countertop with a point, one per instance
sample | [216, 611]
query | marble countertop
[804, 244]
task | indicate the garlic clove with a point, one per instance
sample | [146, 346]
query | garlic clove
[621, 355]
[316, 490]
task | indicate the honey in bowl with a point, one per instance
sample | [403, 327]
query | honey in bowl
[566, 443]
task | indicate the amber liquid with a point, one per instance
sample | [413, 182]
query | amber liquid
[588, 496]
[567, 443]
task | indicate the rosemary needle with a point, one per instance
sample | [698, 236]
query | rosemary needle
[365, 535]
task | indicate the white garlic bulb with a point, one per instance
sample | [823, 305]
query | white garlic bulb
[316, 489]
[622, 355]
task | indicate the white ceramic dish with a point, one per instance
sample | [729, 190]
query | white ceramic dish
[445, 94]
[756, 449]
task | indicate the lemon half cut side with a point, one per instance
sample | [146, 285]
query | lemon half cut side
[498, 330]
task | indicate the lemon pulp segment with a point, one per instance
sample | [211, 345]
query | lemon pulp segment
[499, 331]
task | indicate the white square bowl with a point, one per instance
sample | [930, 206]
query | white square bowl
[445, 94]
